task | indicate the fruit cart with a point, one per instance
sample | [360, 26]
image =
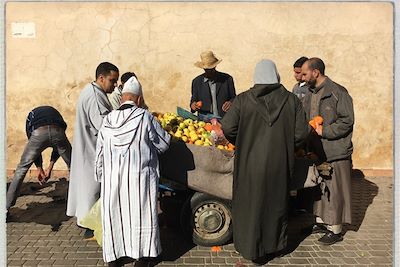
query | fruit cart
[208, 172]
[195, 163]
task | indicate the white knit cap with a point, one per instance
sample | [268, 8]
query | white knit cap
[132, 86]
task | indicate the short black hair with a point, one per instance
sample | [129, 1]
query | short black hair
[105, 68]
[125, 77]
[299, 62]
[317, 64]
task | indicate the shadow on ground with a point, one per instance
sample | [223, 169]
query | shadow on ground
[52, 212]
[363, 194]
[46, 213]
[174, 241]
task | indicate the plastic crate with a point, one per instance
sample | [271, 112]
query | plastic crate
[185, 114]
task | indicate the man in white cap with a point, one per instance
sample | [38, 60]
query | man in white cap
[127, 167]
[214, 89]
[115, 96]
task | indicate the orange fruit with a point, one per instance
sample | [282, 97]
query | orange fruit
[215, 248]
[318, 120]
[199, 104]
[208, 127]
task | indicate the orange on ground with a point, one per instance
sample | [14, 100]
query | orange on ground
[215, 248]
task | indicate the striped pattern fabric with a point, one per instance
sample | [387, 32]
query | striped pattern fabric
[128, 169]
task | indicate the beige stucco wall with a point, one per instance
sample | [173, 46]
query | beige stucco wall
[161, 41]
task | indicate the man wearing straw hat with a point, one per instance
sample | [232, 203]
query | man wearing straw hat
[214, 89]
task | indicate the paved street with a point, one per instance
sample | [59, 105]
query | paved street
[40, 234]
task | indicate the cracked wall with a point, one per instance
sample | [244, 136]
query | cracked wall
[161, 41]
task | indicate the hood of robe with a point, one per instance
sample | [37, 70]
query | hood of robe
[124, 124]
[270, 96]
[266, 73]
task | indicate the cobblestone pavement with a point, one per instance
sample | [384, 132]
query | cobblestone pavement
[40, 234]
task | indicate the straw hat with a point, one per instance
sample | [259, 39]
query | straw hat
[208, 60]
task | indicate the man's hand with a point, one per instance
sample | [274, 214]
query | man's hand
[312, 156]
[49, 170]
[194, 106]
[41, 175]
[226, 106]
[318, 129]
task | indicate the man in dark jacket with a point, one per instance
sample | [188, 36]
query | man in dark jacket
[266, 124]
[332, 143]
[45, 127]
[214, 89]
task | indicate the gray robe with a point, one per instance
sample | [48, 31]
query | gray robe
[83, 191]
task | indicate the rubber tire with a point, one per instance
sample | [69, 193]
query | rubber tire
[203, 201]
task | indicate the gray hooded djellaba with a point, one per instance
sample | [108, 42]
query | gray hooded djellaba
[266, 123]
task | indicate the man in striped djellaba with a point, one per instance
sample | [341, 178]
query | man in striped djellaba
[128, 145]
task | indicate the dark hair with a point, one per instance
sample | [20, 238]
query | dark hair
[105, 68]
[298, 63]
[125, 77]
[317, 64]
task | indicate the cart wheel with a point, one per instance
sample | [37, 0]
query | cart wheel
[207, 220]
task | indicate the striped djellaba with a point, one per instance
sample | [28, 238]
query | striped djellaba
[127, 167]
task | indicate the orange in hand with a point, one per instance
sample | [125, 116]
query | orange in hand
[208, 127]
[318, 120]
[199, 104]
[313, 124]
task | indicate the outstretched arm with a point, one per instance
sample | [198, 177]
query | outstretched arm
[158, 136]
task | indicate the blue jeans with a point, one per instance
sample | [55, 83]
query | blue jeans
[41, 138]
